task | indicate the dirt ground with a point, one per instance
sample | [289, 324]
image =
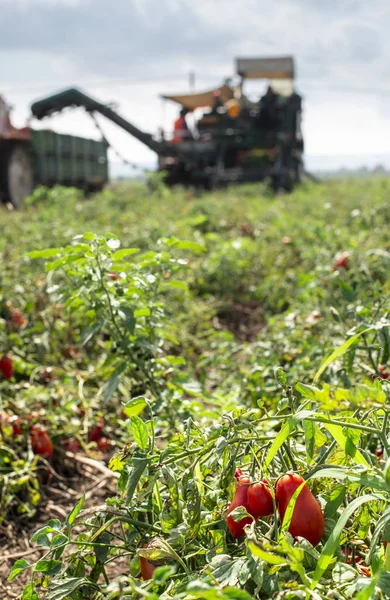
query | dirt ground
[58, 497]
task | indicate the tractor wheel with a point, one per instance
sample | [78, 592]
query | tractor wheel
[18, 175]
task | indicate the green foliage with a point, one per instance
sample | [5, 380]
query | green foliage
[201, 334]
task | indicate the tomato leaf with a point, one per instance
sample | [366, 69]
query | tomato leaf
[119, 255]
[140, 432]
[48, 567]
[339, 352]
[331, 545]
[75, 512]
[29, 593]
[19, 566]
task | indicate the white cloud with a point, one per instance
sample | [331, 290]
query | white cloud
[341, 49]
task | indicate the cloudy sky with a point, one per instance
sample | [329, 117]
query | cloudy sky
[129, 51]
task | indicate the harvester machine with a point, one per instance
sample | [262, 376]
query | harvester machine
[233, 140]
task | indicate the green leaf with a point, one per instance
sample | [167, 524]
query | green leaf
[66, 587]
[75, 512]
[142, 312]
[367, 592]
[268, 557]
[333, 540]
[88, 333]
[308, 391]
[102, 551]
[178, 285]
[339, 352]
[44, 254]
[283, 434]
[135, 406]
[29, 593]
[18, 567]
[365, 479]
[49, 567]
[116, 464]
[290, 507]
[138, 467]
[140, 432]
[337, 433]
[193, 246]
[336, 499]
[347, 291]
[110, 387]
[309, 428]
[228, 571]
[121, 254]
[127, 315]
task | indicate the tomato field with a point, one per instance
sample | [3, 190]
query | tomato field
[195, 394]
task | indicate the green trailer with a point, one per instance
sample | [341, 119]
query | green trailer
[31, 157]
[68, 160]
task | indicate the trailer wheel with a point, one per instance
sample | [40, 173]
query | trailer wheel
[18, 176]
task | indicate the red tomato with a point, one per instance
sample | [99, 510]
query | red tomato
[6, 366]
[95, 432]
[342, 261]
[104, 444]
[260, 503]
[15, 422]
[16, 318]
[307, 519]
[240, 499]
[72, 445]
[41, 443]
[114, 276]
[383, 373]
[147, 569]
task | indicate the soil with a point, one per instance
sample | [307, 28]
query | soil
[59, 494]
[244, 320]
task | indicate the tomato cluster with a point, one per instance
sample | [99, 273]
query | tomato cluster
[307, 519]
[256, 498]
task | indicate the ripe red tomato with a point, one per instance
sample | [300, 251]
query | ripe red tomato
[114, 276]
[16, 318]
[6, 366]
[95, 432]
[342, 261]
[72, 445]
[41, 443]
[260, 503]
[147, 569]
[240, 499]
[383, 373]
[104, 444]
[307, 519]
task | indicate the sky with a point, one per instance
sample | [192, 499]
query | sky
[130, 51]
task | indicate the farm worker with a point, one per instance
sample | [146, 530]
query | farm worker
[180, 127]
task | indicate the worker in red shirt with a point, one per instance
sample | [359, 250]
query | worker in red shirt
[180, 127]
